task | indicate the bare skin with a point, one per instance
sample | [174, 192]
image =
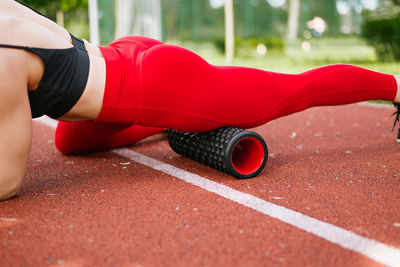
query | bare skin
[23, 75]
[27, 28]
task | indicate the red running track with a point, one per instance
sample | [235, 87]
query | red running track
[337, 165]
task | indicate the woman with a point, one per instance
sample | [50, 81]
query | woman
[122, 90]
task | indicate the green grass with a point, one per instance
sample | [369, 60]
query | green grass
[323, 51]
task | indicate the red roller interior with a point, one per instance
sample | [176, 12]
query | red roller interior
[247, 155]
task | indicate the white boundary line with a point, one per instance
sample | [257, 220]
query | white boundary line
[376, 105]
[372, 249]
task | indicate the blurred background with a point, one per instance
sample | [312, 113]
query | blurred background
[280, 35]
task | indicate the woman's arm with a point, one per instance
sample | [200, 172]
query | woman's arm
[15, 128]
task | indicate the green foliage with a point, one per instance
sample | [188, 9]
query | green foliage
[219, 43]
[64, 5]
[384, 35]
[274, 44]
[35, 3]
[67, 5]
[197, 20]
[324, 51]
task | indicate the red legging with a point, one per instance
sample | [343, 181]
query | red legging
[152, 84]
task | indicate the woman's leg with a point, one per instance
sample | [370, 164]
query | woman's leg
[89, 136]
[179, 90]
[171, 87]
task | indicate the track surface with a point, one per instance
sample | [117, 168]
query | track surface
[337, 165]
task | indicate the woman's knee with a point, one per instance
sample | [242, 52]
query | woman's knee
[64, 139]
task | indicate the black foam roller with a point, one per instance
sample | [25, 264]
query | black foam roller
[240, 153]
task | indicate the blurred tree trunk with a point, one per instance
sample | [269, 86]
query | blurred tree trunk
[293, 19]
[60, 17]
[229, 32]
[94, 22]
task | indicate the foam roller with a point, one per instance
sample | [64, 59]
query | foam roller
[240, 153]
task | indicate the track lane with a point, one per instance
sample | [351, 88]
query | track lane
[73, 185]
[346, 174]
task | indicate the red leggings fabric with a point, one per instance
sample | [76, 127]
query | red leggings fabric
[87, 136]
[153, 84]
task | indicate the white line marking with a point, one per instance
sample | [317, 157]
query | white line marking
[8, 219]
[377, 105]
[378, 251]
[372, 249]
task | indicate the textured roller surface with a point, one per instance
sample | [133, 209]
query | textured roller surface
[235, 151]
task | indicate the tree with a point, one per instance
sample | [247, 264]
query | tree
[293, 19]
[54, 9]
[63, 5]
[229, 32]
